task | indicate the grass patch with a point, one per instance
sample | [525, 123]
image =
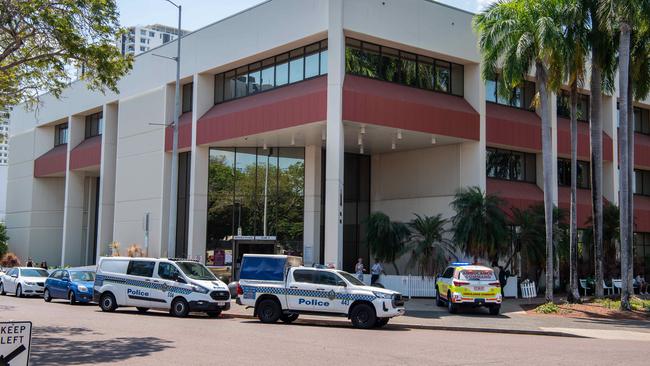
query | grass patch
[548, 308]
[635, 302]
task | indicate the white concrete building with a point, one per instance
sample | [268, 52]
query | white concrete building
[143, 38]
[299, 118]
[4, 160]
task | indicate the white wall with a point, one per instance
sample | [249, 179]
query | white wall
[4, 170]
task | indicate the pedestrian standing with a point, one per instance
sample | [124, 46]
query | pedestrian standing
[30, 262]
[375, 271]
[359, 269]
[44, 265]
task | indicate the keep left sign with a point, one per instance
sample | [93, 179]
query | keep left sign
[15, 339]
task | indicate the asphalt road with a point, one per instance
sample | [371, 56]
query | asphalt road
[82, 334]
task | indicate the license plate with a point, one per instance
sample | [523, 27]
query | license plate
[479, 301]
[221, 303]
[479, 288]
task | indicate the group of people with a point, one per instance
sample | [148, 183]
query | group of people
[31, 263]
[375, 271]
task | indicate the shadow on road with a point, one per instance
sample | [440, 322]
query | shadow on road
[54, 346]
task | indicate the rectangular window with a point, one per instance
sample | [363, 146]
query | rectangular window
[642, 182]
[389, 64]
[564, 106]
[94, 124]
[61, 134]
[642, 121]
[519, 97]
[564, 173]
[291, 67]
[511, 165]
[141, 268]
[152, 34]
[187, 97]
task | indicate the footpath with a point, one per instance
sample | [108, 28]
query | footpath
[424, 314]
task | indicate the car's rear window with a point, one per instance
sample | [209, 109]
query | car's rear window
[477, 275]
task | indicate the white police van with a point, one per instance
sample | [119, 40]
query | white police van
[180, 286]
[279, 289]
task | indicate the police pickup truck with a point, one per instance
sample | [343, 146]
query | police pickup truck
[278, 288]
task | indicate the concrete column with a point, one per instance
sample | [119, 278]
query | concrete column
[198, 216]
[311, 241]
[610, 168]
[472, 153]
[72, 252]
[166, 169]
[335, 142]
[106, 187]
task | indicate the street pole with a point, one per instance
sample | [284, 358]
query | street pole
[173, 185]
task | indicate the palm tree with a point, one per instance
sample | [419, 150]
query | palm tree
[479, 226]
[430, 251]
[520, 36]
[386, 238]
[611, 233]
[575, 54]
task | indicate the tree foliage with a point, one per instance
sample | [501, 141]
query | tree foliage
[430, 250]
[386, 238]
[3, 240]
[41, 39]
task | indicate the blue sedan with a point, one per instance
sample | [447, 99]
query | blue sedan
[73, 285]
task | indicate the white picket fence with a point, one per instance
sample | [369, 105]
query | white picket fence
[528, 289]
[411, 286]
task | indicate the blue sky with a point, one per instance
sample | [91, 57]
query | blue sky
[199, 13]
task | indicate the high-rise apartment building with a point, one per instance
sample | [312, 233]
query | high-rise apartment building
[143, 38]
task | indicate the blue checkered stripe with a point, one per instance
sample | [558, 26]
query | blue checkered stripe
[251, 291]
[144, 284]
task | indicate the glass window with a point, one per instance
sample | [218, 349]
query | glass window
[564, 106]
[491, 91]
[218, 88]
[254, 78]
[187, 97]
[231, 83]
[86, 276]
[196, 271]
[34, 272]
[642, 182]
[282, 69]
[55, 274]
[326, 278]
[457, 80]
[642, 121]
[409, 69]
[168, 271]
[114, 266]
[519, 97]
[304, 276]
[425, 72]
[390, 64]
[241, 82]
[443, 73]
[94, 125]
[61, 134]
[141, 268]
[511, 165]
[323, 57]
[268, 74]
[296, 65]
[449, 272]
[312, 67]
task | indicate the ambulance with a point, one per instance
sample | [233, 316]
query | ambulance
[279, 288]
[179, 286]
[465, 285]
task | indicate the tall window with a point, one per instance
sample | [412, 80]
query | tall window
[256, 192]
[511, 165]
[390, 64]
[187, 97]
[564, 106]
[642, 120]
[288, 68]
[61, 134]
[94, 125]
[564, 173]
[520, 97]
[642, 182]
[642, 254]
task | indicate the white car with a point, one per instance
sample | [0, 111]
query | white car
[24, 281]
[179, 286]
[278, 290]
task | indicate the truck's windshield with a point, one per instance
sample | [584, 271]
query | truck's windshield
[350, 278]
[196, 271]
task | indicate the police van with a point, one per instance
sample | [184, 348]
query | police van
[280, 289]
[179, 286]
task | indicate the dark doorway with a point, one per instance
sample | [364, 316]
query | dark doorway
[183, 201]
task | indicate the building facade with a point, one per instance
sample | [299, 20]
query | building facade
[299, 118]
[143, 38]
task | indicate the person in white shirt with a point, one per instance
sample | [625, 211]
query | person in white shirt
[375, 271]
[359, 269]
[643, 286]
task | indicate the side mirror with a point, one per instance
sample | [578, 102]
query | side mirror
[179, 279]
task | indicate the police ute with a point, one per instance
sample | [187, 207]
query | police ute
[177, 285]
[278, 288]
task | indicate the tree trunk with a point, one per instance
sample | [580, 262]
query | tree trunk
[596, 135]
[624, 175]
[630, 142]
[547, 168]
[574, 291]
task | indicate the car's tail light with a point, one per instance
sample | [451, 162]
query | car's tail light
[240, 291]
[497, 284]
[460, 283]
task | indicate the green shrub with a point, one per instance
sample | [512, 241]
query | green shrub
[548, 308]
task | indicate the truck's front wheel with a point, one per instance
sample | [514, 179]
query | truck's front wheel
[363, 316]
[268, 311]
